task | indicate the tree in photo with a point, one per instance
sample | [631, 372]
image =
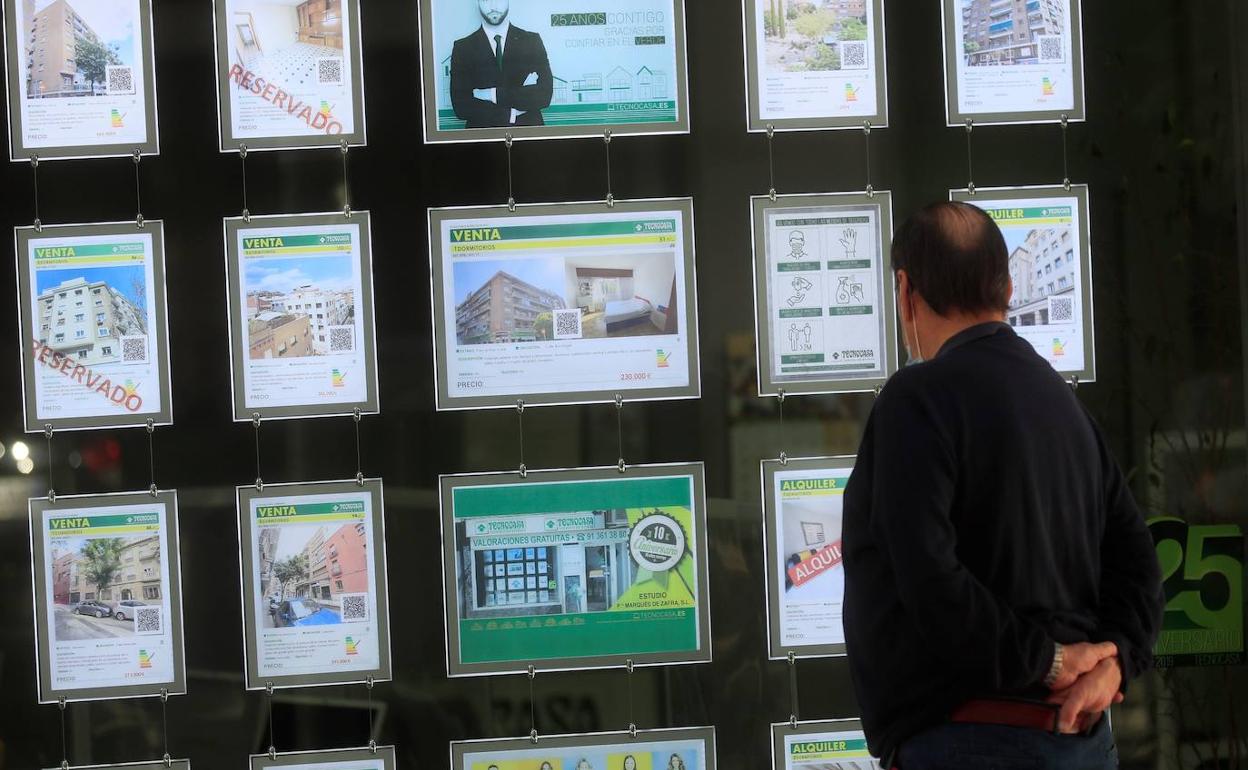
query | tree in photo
[92, 58]
[101, 561]
[291, 570]
[544, 326]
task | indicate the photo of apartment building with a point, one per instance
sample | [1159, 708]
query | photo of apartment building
[117, 573]
[1004, 32]
[65, 54]
[314, 564]
[84, 317]
[1042, 266]
[274, 334]
[503, 309]
[323, 309]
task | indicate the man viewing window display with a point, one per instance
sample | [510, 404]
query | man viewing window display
[1001, 588]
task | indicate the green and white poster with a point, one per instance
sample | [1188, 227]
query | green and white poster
[1202, 570]
[825, 745]
[575, 569]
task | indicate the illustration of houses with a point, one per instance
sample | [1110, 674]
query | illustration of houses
[650, 85]
[619, 85]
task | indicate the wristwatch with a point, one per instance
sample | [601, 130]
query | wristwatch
[1055, 670]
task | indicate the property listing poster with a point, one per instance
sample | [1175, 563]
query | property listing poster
[637, 754]
[845, 750]
[290, 68]
[815, 58]
[1046, 266]
[576, 569]
[84, 82]
[824, 292]
[565, 304]
[302, 316]
[314, 592]
[501, 64]
[807, 555]
[1015, 57]
[376, 762]
[93, 342]
[106, 572]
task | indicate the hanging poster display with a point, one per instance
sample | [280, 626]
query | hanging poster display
[1017, 62]
[552, 68]
[159, 764]
[382, 758]
[802, 514]
[835, 744]
[689, 748]
[564, 303]
[302, 335]
[107, 596]
[315, 607]
[80, 78]
[95, 341]
[289, 74]
[575, 569]
[824, 304]
[1047, 234]
[816, 65]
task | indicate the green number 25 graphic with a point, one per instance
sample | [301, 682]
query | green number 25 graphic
[1202, 574]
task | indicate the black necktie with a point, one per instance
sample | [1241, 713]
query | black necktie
[498, 51]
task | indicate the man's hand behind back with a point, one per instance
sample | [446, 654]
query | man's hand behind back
[1084, 701]
[1079, 659]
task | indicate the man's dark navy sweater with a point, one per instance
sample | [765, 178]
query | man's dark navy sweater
[985, 521]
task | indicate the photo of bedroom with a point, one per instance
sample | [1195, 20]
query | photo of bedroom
[624, 296]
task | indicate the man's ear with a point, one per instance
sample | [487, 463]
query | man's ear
[904, 304]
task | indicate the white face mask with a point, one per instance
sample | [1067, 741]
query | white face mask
[915, 354]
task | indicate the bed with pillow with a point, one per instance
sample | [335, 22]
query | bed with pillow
[623, 312]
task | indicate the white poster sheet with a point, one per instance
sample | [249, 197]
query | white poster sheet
[815, 65]
[302, 327]
[289, 74]
[80, 78]
[803, 512]
[1047, 236]
[1013, 62]
[552, 68]
[160, 764]
[824, 745]
[313, 584]
[564, 303]
[674, 749]
[824, 295]
[95, 347]
[108, 596]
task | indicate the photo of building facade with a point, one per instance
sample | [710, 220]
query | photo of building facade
[274, 334]
[112, 576]
[504, 309]
[1043, 266]
[313, 563]
[808, 35]
[997, 32]
[85, 320]
[65, 56]
[323, 309]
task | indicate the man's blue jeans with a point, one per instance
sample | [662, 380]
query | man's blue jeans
[992, 747]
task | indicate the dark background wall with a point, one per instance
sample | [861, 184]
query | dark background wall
[1157, 151]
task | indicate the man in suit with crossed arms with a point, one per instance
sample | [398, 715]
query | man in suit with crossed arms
[500, 74]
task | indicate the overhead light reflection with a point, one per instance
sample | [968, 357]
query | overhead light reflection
[20, 451]
[26, 465]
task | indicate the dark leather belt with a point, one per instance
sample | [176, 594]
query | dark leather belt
[1036, 715]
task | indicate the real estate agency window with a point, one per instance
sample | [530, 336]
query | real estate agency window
[515, 577]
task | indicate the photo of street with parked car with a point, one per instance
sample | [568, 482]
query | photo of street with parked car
[106, 587]
[313, 574]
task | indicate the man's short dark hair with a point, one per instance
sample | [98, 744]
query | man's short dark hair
[955, 257]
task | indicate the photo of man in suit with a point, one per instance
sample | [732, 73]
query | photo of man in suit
[500, 74]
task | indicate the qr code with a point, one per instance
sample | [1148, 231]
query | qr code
[341, 339]
[568, 324]
[354, 608]
[329, 71]
[119, 79]
[1061, 309]
[147, 621]
[854, 55]
[1051, 48]
[134, 349]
